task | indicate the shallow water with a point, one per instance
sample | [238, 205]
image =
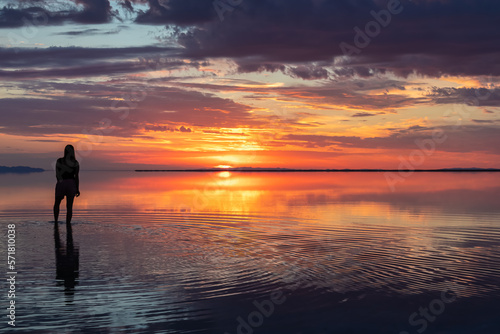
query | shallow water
[258, 253]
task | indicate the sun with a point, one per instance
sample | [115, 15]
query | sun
[224, 166]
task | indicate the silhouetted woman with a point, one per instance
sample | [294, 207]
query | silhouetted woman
[67, 169]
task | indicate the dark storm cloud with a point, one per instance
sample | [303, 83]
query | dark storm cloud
[95, 11]
[185, 12]
[17, 17]
[43, 13]
[430, 37]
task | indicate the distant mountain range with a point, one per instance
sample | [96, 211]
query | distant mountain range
[20, 169]
[279, 169]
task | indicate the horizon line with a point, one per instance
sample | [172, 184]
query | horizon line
[281, 169]
[26, 169]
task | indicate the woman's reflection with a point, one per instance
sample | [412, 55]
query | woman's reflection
[66, 260]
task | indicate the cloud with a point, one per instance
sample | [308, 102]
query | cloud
[103, 69]
[63, 108]
[417, 127]
[95, 11]
[432, 37]
[333, 94]
[247, 67]
[127, 4]
[482, 121]
[363, 114]
[302, 38]
[47, 13]
[310, 72]
[88, 32]
[17, 17]
[159, 128]
[163, 128]
[182, 13]
[471, 138]
[481, 96]
[76, 62]
[74, 56]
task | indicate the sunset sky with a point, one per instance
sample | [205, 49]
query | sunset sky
[259, 83]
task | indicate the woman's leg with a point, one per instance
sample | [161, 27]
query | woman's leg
[69, 208]
[57, 203]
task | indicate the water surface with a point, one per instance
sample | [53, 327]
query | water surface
[258, 252]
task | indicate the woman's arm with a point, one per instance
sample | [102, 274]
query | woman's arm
[77, 180]
[58, 170]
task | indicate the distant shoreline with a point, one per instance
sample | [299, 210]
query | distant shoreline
[311, 170]
[20, 170]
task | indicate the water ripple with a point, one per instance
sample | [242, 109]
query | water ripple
[158, 267]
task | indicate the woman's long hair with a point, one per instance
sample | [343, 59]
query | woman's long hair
[69, 152]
